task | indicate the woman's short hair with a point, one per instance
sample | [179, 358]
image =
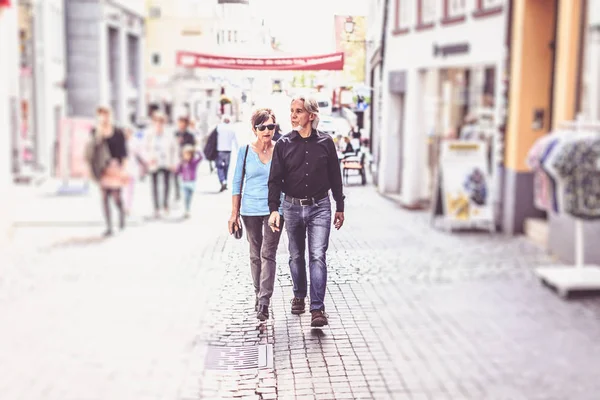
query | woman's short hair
[261, 115]
[312, 106]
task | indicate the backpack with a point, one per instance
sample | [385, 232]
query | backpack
[210, 149]
[98, 156]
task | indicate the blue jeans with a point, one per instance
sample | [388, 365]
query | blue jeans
[315, 221]
[223, 158]
[188, 192]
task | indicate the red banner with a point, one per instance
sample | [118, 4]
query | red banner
[331, 62]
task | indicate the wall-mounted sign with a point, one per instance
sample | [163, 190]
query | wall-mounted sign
[450, 49]
[397, 82]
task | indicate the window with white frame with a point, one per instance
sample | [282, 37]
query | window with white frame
[154, 12]
[427, 11]
[404, 14]
[490, 4]
[455, 8]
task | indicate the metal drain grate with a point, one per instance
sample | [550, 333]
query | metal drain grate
[238, 358]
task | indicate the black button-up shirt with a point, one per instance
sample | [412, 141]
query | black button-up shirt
[305, 168]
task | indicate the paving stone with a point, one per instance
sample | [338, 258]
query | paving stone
[413, 312]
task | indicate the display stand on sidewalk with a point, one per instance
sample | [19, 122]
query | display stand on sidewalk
[462, 191]
[566, 279]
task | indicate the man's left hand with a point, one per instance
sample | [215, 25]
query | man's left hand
[338, 220]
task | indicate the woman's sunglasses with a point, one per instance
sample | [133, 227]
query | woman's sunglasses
[263, 127]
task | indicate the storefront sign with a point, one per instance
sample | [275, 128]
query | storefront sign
[73, 138]
[450, 49]
[397, 82]
[331, 62]
[233, 2]
[465, 181]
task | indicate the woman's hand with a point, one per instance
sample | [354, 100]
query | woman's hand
[233, 223]
[275, 221]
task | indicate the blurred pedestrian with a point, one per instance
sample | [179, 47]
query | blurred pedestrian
[251, 178]
[160, 150]
[187, 171]
[226, 141]
[348, 148]
[184, 137]
[107, 155]
[305, 167]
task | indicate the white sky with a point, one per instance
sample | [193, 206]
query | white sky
[306, 26]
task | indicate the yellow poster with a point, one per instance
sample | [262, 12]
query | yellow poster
[466, 181]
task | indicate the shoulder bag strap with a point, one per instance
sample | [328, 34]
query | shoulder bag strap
[243, 174]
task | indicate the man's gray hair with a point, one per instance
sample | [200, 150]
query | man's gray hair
[312, 106]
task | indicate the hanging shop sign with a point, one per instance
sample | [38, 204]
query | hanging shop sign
[465, 182]
[331, 62]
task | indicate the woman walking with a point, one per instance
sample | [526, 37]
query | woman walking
[161, 159]
[250, 200]
[107, 155]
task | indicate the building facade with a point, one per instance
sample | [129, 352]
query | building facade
[444, 60]
[105, 50]
[571, 65]
[9, 78]
[182, 25]
[376, 20]
[219, 27]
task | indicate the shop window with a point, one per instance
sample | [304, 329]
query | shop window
[486, 8]
[402, 17]
[454, 11]
[425, 14]
[588, 99]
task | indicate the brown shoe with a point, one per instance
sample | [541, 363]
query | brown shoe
[319, 319]
[263, 313]
[298, 306]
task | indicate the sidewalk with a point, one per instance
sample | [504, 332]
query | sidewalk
[164, 310]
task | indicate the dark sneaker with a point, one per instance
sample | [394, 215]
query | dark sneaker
[108, 233]
[298, 306]
[263, 313]
[319, 319]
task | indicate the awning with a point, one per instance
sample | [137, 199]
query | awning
[331, 62]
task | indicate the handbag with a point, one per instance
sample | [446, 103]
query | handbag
[240, 231]
[98, 156]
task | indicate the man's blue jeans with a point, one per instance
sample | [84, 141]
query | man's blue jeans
[314, 221]
[223, 158]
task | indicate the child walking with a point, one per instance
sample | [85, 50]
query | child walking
[187, 170]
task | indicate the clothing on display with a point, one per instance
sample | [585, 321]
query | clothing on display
[579, 166]
[566, 166]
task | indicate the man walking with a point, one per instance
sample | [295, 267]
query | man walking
[226, 140]
[305, 167]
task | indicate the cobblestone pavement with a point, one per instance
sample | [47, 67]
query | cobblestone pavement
[414, 313]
